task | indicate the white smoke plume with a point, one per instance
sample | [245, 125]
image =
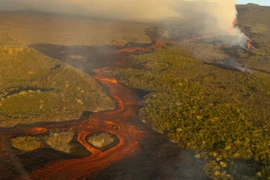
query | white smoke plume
[218, 14]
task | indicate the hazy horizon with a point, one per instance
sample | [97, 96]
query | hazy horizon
[260, 2]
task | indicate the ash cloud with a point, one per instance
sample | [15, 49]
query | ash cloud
[217, 15]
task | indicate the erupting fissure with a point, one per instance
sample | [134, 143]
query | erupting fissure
[249, 41]
[235, 24]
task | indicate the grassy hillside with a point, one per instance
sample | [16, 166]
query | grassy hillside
[254, 14]
[34, 88]
[223, 114]
[34, 28]
[256, 18]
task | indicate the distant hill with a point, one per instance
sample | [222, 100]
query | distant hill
[254, 14]
[34, 28]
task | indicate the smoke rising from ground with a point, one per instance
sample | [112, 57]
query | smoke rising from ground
[217, 15]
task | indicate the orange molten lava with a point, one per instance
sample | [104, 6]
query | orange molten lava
[118, 122]
[249, 41]
[235, 23]
[249, 44]
[127, 134]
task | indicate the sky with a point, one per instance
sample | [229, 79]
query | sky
[261, 2]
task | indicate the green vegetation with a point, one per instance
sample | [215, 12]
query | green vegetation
[101, 140]
[35, 88]
[222, 114]
[60, 140]
[26, 143]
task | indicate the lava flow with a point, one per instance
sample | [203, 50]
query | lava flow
[127, 134]
[119, 122]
